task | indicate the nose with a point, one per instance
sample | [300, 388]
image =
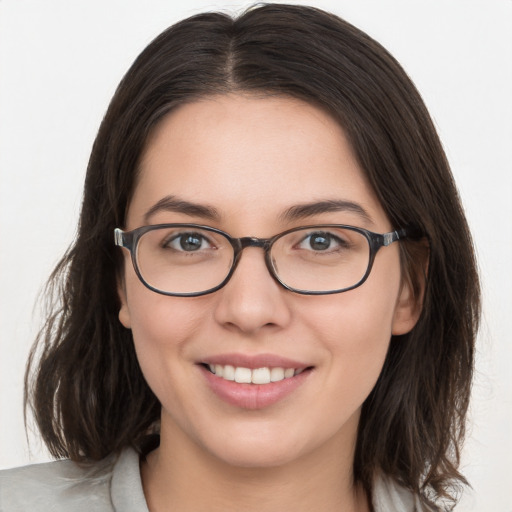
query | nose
[252, 300]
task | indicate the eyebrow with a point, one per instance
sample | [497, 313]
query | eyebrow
[296, 212]
[302, 211]
[174, 204]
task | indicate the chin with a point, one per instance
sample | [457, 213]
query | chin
[271, 446]
[257, 456]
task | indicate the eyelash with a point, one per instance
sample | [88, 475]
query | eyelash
[341, 244]
[176, 237]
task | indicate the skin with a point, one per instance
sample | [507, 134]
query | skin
[251, 159]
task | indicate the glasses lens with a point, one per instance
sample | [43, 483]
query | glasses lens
[321, 259]
[184, 259]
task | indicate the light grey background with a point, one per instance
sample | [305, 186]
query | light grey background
[60, 62]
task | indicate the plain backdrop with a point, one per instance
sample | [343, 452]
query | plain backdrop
[60, 62]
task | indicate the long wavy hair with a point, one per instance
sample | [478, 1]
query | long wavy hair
[83, 382]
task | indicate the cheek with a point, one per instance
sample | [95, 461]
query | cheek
[357, 343]
[160, 323]
[155, 319]
[362, 317]
[355, 329]
[160, 327]
[357, 336]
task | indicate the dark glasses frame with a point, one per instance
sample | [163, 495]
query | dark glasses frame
[130, 239]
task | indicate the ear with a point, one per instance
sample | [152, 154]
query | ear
[124, 311]
[412, 289]
[407, 309]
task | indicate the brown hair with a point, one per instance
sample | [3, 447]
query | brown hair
[83, 381]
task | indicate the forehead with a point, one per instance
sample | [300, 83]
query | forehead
[246, 156]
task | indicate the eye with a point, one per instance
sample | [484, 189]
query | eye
[321, 241]
[188, 242]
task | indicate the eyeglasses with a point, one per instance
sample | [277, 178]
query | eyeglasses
[187, 260]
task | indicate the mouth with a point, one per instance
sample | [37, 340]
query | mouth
[254, 381]
[243, 375]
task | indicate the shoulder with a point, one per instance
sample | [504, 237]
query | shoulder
[389, 495]
[64, 485]
[61, 485]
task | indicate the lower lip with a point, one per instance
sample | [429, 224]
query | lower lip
[253, 396]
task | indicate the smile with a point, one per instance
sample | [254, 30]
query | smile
[242, 375]
[254, 381]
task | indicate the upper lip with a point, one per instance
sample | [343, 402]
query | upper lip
[254, 361]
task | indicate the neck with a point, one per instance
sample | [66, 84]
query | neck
[182, 477]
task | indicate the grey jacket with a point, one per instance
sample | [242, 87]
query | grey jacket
[114, 485]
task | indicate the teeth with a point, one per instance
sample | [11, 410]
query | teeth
[243, 375]
[229, 372]
[276, 374]
[260, 376]
[289, 372]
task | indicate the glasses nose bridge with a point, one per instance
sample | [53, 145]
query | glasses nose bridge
[252, 241]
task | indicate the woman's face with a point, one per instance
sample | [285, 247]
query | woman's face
[247, 163]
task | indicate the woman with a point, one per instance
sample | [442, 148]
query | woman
[272, 299]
